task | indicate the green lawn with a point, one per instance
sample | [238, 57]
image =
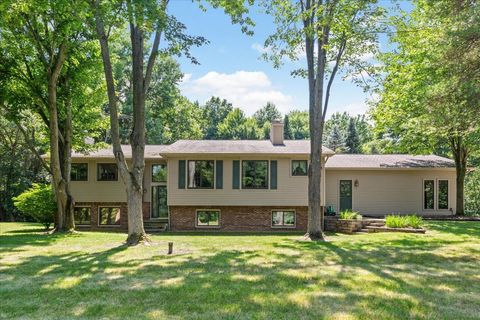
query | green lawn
[242, 276]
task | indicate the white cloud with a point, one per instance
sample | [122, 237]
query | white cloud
[353, 109]
[248, 90]
[261, 49]
[186, 78]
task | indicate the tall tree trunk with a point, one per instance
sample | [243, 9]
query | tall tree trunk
[67, 163]
[133, 179]
[460, 154]
[315, 86]
[136, 232]
[58, 182]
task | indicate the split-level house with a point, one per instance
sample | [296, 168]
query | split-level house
[256, 185]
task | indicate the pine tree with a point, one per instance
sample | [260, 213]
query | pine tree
[353, 141]
[287, 131]
[335, 140]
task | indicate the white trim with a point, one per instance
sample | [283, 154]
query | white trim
[108, 225]
[283, 226]
[208, 227]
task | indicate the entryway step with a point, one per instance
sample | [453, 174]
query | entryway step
[365, 230]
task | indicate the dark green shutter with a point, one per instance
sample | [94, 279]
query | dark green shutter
[181, 174]
[236, 174]
[219, 174]
[273, 174]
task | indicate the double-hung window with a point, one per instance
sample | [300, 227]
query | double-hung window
[79, 172]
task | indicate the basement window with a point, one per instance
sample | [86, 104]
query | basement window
[109, 216]
[208, 218]
[283, 218]
[82, 216]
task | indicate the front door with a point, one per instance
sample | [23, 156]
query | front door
[159, 202]
[345, 195]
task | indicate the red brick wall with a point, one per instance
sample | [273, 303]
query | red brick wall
[123, 215]
[235, 218]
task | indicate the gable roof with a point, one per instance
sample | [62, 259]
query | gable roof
[385, 161]
[291, 147]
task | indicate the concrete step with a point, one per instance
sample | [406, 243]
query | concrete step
[377, 224]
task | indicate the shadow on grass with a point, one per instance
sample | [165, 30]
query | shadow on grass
[293, 279]
[461, 228]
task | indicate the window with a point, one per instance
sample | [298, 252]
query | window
[299, 167]
[107, 172]
[208, 218]
[109, 216]
[255, 174]
[442, 194]
[79, 172]
[159, 173]
[429, 194]
[200, 174]
[283, 218]
[82, 215]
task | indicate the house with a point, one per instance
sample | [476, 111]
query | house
[245, 185]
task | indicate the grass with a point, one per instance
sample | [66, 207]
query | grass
[407, 221]
[349, 215]
[92, 275]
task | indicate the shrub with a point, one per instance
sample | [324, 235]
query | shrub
[408, 221]
[349, 215]
[38, 202]
[472, 193]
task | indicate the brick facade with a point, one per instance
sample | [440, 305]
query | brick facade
[235, 218]
[123, 226]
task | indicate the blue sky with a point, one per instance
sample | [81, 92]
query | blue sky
[231, 66]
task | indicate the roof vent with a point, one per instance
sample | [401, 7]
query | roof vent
[276, 132]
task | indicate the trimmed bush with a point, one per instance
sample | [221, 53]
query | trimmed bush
[38, 202]
[408, 221]
[350, 215]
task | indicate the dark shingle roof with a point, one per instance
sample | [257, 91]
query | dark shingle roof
[300, 147]
[388, 161]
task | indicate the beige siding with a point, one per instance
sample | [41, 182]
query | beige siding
[291, 190]
[382, 191]
[107, 191]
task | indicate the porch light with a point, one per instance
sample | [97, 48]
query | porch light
[356, 183]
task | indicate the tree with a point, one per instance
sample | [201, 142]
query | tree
[48, 67]
[215, 111]
[352, 141]
[340, 32]
[146, 19]
[335, 140]
[429, 95]
[267, 114]
[299, 124]
[287, 131]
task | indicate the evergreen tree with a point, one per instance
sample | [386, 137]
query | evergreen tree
[267, 114]
[352, 141]
[287, 131]
[335, 140]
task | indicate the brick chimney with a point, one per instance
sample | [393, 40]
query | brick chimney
[276, 132]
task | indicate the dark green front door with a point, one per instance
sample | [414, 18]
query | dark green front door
[345, 195]
[159, 202]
